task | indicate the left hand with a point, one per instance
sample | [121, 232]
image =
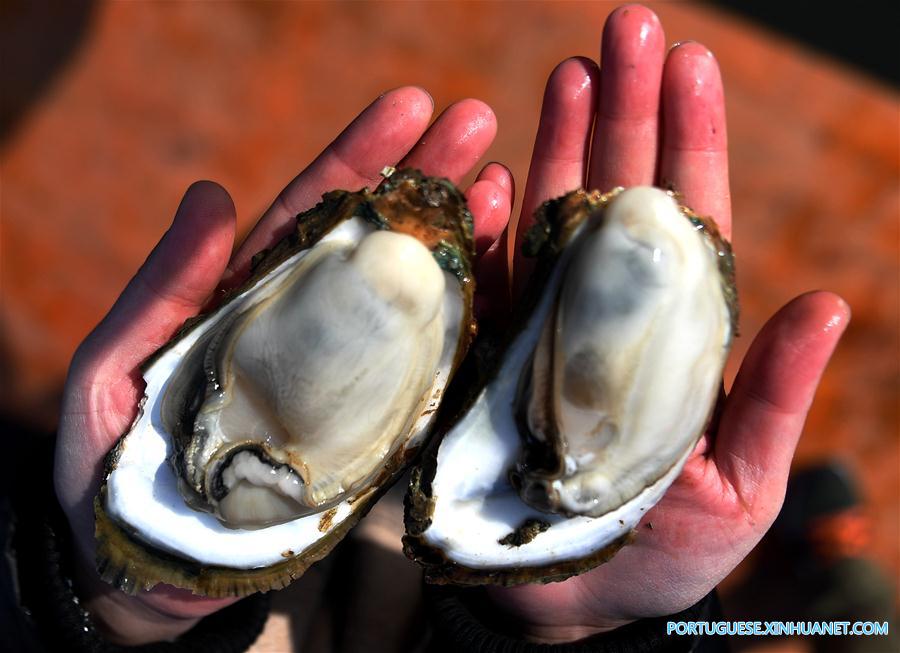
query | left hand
[181, 276]
[733, 484]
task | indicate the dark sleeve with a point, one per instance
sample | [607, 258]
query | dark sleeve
[41, 611]
[463, 620]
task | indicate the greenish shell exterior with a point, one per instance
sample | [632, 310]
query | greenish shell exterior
[556, 221]
[428, 208]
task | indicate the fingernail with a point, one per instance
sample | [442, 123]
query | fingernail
[678, 44]
[429, 96]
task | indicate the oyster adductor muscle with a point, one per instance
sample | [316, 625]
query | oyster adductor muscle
[588, 415]
[270, 425]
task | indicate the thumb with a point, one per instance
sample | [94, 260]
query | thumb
[103, 387]
[767, 407]
[172, 285]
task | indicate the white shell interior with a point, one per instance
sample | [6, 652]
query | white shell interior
[142, 491]
[475, 505]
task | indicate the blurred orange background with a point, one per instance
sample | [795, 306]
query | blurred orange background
[137, 100]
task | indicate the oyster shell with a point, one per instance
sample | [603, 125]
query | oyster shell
[594, 405]
[270, 425]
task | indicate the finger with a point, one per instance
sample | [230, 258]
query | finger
[492, 299]
[490, 201]
[500, 175]
[561, 148]
[174, 282]
[694, 158]
[455, 142]
[765, 412]
[379, 136]
[492, 290]
[626, 136]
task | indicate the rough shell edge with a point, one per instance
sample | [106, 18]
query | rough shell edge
[131, 566]
[544, 241]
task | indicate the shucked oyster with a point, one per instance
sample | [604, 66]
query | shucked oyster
[595, 404]
[270, 425]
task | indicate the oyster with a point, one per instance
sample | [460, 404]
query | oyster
[594, 405]
[270, 425]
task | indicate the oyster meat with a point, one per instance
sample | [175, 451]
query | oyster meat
[270, 425]
[596, 402]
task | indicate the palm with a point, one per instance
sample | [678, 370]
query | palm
[180, 277]
[660, 119]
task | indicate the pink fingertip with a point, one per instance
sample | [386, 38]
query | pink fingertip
[693, 83]
[482, 120]
[490, 205]
[696, 65]
[841, 313]
[418, 101]
[499, 174]
[573, 77]
[628, 15]
[427, 94]
[631, 35]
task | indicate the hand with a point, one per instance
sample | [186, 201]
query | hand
[660, 119]
[181, 275]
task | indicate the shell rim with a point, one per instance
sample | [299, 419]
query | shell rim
[544, 241]
[129, 562]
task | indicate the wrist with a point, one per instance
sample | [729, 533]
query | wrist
[162, 614]
[120, 618]
[550, 614]
[538, 633]
[63, 603]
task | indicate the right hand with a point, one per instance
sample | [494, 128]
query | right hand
[733, 483]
